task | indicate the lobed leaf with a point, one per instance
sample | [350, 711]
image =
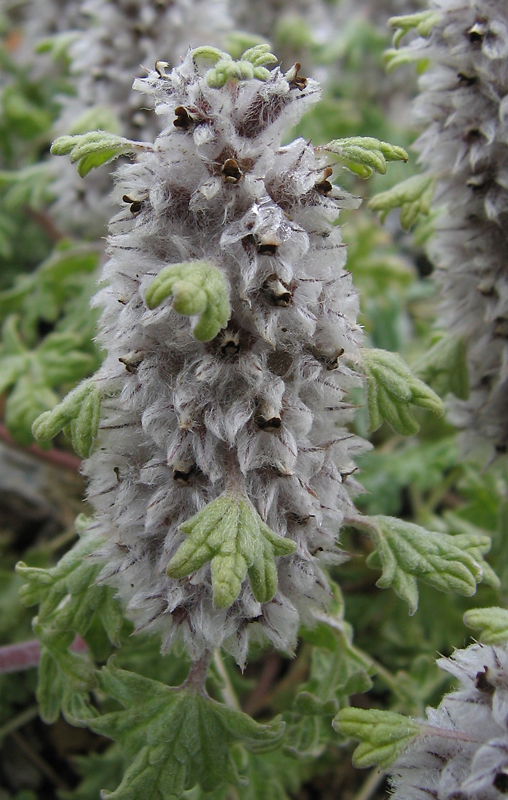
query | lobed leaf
[392, 389]
[95, 148]
[445, 367]
[364, 155]
[231, 535]
[81, 410]
[198, 288]
[413, 196]
[423, 22]
[175, 739]
[492, 622]
[384, 735]
[406, 552]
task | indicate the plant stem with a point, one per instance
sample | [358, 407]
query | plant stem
[227, 691]
[368, 789]
[57, 457]
[26, 716]
[24, 655]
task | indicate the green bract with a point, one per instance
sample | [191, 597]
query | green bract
[198, 288]
[445, 367]
[384, 735]
[252, 64]
[492, 622]
[96, 148]
[392, 389]
[81, 410]
[423, 22]
[364, 155]
[405, 552]
[232, 535]
[413, 196]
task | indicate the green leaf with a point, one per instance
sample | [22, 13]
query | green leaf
[98, 771]
[384, 735]
[259, 55]
[423, 22]
[198, 288]
[81, 410]
[406, 552]
[231, 535]
[26, 187]
[95, 148]
[65, 678]
[392, 388]
[394, 58]
[413, 196]
[27, 401]
[66, 593]
[174, 739]
[364, 155]
[445, 367]
[492, 622]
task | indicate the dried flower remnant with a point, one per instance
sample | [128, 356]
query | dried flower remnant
[217, 476]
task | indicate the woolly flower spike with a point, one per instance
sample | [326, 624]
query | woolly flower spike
[463, 103]
[461, 750]
[220, 466]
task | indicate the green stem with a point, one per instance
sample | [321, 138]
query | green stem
[227, 691]
[27, 715]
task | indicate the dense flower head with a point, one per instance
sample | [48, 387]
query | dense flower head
[462, 753]
[463, 103]
[121, 39]
[260, 409]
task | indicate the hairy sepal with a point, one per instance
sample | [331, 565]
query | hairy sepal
[383, 735]
[81, 410]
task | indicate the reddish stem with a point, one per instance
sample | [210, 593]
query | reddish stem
[57, 457]
[24, 655]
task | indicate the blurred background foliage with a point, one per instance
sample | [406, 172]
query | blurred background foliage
[47, 277]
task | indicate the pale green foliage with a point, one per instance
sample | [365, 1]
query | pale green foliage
[231, 534]
[95, 148]
[364, 155]
[492, 622]
[445, 367]
[422, 22]
[28, 186]
[81, 410]
[405, 552]
[384, 735]
[68, 600]
[198, 288]
[33, 375]
[252, 64]
[413, 196]
[392, 389]
[174, 739]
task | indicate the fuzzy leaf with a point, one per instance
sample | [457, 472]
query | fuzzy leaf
[392, 388]
[384, 735]
[413, 196]
[492, 622]
[406, 552]
[197, 287]
[445, 367]
[259, 55]
[81, 410]
[66, 593]
[364, 155]
[174, 739]
[95, 148]
[232, 536]
[423, 22]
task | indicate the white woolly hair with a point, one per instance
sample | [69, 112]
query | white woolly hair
[464, 105]
[264, 400]
[463, 753]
